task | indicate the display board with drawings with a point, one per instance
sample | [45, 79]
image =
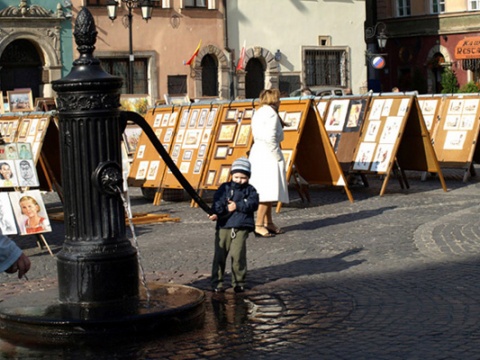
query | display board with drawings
[230, 140]
[456, 135]
[32, 130]
[343, 119]
[192, 143]
[147, 168]
[394, 129]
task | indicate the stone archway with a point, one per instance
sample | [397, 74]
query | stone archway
[223, 71]
[42, 28]
[436, 49]
[271, 68]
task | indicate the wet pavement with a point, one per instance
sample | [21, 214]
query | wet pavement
[391, 277]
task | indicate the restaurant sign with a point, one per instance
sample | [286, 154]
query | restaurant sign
[468, 48]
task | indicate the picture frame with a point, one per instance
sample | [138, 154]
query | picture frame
[184, 119]
[202, 150]
[243, 135]
[210, 177]
[211, 118]
[198, 166]
[193, 118]
[231, 115]
[45, 104]
[20, 100]
[35, 197]
[292, 120]
[187, 155]
[192, 139]
[138, 103]
[7, 218]
[226, 133]
[131, 137]
[221, 152]
[248, 113]
[223, 175]
[203, 118]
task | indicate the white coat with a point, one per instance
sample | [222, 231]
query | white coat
[267, 163]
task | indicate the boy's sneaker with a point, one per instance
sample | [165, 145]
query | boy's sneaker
[239, 289]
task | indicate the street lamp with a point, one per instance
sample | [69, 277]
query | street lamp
[146, 7]
[377, 31]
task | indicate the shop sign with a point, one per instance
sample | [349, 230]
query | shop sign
[468, 48]
[378, 62]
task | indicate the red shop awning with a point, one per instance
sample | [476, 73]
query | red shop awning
[468, 48]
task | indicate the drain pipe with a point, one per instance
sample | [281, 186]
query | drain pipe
[229, 50]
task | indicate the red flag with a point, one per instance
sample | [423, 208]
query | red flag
[242, 57]
[189, 62]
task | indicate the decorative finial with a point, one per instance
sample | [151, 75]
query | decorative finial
[85, 36]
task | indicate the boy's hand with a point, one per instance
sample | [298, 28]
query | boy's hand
[232, 206]
[213, 217]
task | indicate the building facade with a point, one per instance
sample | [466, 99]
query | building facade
[35, 45]
[422, 41]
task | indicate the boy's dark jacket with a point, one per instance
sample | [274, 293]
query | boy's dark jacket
[245, 197]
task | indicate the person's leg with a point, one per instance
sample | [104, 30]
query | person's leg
[238, 253]
[222, 246]
[269, 224]
[262, 214]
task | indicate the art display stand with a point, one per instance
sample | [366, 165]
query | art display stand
[393, 130]
[312, 152]
[343, 119]
[455, 136]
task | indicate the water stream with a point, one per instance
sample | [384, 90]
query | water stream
[128, 211]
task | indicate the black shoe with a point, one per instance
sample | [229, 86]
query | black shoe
[239, 289]
[218, 290]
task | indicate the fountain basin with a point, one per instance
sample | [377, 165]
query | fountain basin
[171, 309]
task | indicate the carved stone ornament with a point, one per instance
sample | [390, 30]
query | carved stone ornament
[23, 10]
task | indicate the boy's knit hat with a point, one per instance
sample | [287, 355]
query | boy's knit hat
[241, 165]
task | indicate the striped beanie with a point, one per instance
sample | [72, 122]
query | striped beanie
[241, 165]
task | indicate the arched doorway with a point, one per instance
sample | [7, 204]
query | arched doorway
[209, 76]
[436, 66]
[254, 78]
[21, 67]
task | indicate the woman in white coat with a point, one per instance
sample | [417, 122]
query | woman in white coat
[267, 162]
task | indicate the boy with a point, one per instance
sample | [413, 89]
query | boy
[234, 204]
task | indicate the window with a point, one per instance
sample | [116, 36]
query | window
[97, 2]
[474, 5]
[195, 3]
[403, 7]
[119, 67]
[177, 84]
[438, 6]
[326, 67]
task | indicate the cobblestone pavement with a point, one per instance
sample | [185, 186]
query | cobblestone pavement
[391, 277]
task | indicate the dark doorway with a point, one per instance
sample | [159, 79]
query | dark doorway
[209, 76]
[21, 67]
[254, 79]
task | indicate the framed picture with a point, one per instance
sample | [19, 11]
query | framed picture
[180, 136]
[8, 174]
[231, 114]
[20, 100]
[243, 135]
[202, 150]
[197, 167]
[183, 121]
[31, 222]
[27, 173]
[221, 152]
[211, 118]
[173, 119]
[184, 166]
[131, 136]
[166, 118]
[192, 139]
[226, 133]
[176, 151]
[158, 120]
[45, 104]
[224, 174]
[135, 102]
[203, 118]
[153, 170]
[210, 177]
[187, 155]
[23, 131]
[176, 100]
[193, 118]
[7, 219]
[248, 114]
[292, 120]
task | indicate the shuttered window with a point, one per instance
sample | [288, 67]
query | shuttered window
[326, 67]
